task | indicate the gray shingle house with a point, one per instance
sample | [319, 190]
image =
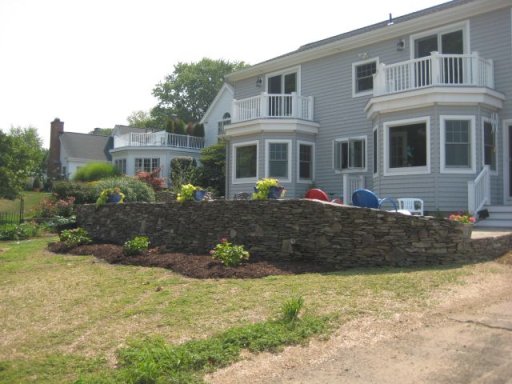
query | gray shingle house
[417, 106]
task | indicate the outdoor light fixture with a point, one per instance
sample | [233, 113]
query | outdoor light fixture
[400, 45]
[259, 81]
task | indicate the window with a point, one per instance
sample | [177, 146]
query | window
[120, 164]
[226, 120]
[363, 72]
[407, 147]
[306, 154]
[489, 145]
[350, 154]
[375, 151]
[278, 159]
[146, 165]
[457, 144]
[245, 157]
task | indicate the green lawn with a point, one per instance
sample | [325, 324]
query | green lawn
[32, 200]
[64, 315]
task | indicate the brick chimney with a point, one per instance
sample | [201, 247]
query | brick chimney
[57, 127]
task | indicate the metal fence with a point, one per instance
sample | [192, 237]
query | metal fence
[13, 217]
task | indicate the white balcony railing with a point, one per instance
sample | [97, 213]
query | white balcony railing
[159, 139]
[479, 191]
[274, 106]
[434, 70]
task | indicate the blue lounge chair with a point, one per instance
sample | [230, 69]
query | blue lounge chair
[367, 199]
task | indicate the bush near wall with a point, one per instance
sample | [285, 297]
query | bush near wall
[95, 171]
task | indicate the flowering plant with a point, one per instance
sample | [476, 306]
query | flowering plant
[187, 192]
[230, 255]
[462, 217]
[107, 193]
[263, 187]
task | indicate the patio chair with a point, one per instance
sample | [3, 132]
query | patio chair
[367, 199]
[316, 194]
[412, 204]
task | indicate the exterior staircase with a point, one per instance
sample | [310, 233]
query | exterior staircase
[500, 216]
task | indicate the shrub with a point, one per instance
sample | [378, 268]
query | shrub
[18, 231]
[52, 206]
[152, 179]
[133, 189]
[291, 309]
[74, 237]
[59, 223]
[230, 255]
[82, 192]
[110, 195]
[462, 217]
[186, 193]
[263, 187]
[136, 246]
[95, 171]
[37, 184]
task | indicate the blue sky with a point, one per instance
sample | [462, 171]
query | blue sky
[92, 63]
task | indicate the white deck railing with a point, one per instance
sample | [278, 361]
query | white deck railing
[434, 70]
[273, 106]
[479, 191]
[350, 184]
[159, 139]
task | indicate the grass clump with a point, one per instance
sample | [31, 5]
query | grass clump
[95, 171]
[152, 360]
[291, 309]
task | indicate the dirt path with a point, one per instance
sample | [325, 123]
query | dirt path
[466, 337]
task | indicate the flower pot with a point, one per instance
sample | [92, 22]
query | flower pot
[114, 198]
[199, 195]
[467, 229]
[275, 192]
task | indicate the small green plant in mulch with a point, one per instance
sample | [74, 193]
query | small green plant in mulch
[74, 237]
[229, 254]
[152, 360]
[136, 246]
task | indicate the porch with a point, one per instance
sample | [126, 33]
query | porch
[159, 139]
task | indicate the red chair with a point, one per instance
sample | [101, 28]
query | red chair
[316, 194]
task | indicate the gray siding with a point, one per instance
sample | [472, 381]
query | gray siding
[340, 115]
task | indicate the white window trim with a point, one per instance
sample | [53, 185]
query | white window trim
[376, 170]
[306, 181]
[347, 139]
[472, 135]
[354, 65]
[267, 162]
[245, 180]
[283, 72]
[423, 170]
[488, 120]
[464, 25]
[505, 151]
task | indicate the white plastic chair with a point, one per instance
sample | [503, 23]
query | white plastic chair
[412, 204]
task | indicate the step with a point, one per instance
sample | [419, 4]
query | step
[490, 223]
[499, 208]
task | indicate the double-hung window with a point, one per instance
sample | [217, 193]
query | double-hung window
[458, 144]
[362, 74]
[305, 160]
[350, 154]
[278, 159]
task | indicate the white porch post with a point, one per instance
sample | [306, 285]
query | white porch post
[435, 66]
[310, 108]
[476, 70]
[379, 80]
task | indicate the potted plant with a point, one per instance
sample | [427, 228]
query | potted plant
[268, 189]
[190, 192]
[466, 220]
[110, 195]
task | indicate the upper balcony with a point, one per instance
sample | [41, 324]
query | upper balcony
[159, 139]
[438, 78]
[273, 106]
[270, 112]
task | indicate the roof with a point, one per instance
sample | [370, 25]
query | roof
[225, 88]
[397, 27]
[86, 146]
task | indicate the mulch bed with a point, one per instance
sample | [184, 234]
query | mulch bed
[195, 266]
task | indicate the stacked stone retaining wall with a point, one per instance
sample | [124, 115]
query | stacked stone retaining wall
[343, 236]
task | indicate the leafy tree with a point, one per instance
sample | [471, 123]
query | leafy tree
[21, 155]
[102, 131]
[212, 172]
[183, 171]
[188, 91]
[141, 119]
